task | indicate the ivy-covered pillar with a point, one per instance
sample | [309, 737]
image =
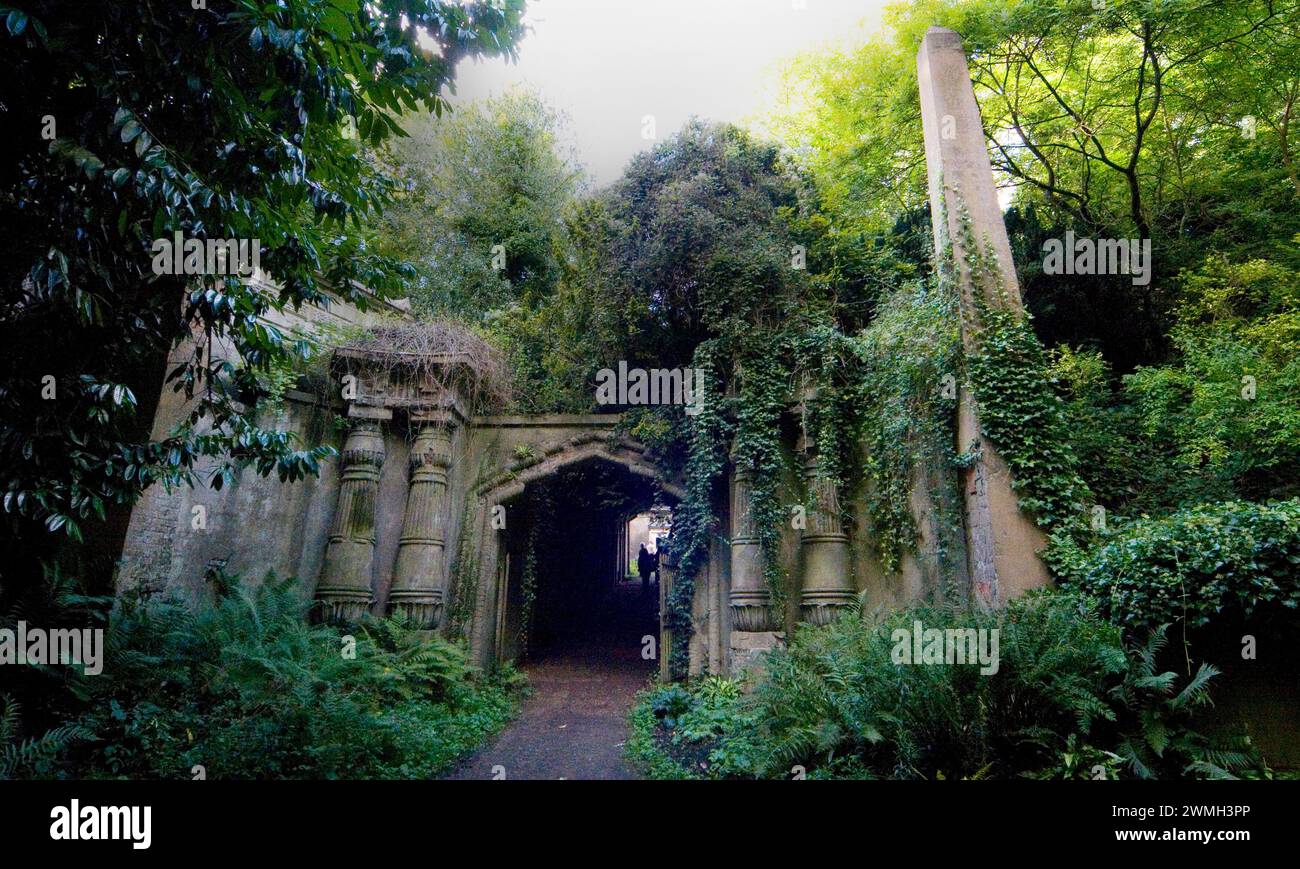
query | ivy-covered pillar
[750, 599]
[667, 574]
[827, 586]
[417, 590]
[973, 256]
[345, 586]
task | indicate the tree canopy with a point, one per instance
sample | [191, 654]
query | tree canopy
[241, 120]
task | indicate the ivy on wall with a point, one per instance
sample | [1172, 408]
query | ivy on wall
[908, 364]
[1019, 412]
[541, 506]
[763, 381]
[464, 576]
[1023, 417]
[695, 520]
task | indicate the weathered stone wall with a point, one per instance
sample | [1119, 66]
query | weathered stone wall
[258, 524]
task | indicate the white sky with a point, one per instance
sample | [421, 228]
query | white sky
[609, 63]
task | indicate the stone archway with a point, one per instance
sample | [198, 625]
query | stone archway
[504, 517]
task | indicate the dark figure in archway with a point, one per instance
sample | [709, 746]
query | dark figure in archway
[645, 565]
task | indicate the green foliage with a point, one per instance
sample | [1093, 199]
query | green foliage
[1126, 471]
[246, 688]
[694, 519]
[691, 732]
[1024, 419]
[764, 381]
[906, 419]
[644, 748]
[491, 174]
[1228, 407]
[228, 122]
[1067, 698]
[1204, 564]
[1164, 714]
[464, 573]
[33, 757]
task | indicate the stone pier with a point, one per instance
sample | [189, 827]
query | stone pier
[1002, 542]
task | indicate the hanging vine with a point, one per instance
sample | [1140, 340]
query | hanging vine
[541, 507]
[694, 520]
[1019, 412]
[763, 393]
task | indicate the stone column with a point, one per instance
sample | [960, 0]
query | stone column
[827, 586]
[751, 601]
[1001, 542]
[417, 590]
[345, 585]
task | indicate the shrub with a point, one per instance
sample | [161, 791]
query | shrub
[247, 688]
[1067, 700]
[700, 731]
[1205, 563]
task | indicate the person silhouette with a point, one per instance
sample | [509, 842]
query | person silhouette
[644, 566]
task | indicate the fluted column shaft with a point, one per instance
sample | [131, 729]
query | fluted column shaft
[418, 576]
[345, 586]
[750, 599]
[826, 585]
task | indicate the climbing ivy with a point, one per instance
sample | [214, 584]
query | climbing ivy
[528, 590]
[763, 391]
[694, 520]
[908, 365]
[541, 507]
[1023, 417]
[465, 576]
[1019, 412]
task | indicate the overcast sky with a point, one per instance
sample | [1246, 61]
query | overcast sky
[609, 63]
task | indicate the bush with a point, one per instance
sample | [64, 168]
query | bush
[1206, 563]
[1229, 405]
[1067, 700]
[700, 731]
[247, 688]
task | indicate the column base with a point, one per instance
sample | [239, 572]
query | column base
[751, 611]
[421, 608]
[342, 604]
[821, 607]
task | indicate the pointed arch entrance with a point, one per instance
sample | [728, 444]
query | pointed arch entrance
[558, 536]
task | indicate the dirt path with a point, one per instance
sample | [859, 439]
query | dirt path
[575, 722]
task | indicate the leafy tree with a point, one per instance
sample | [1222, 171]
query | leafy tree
[492, 174]
[132, 121]
[697, 242]
[1169, 121]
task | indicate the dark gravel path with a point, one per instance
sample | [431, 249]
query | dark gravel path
[575, 722]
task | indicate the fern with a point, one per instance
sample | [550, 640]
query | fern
[29, 758]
